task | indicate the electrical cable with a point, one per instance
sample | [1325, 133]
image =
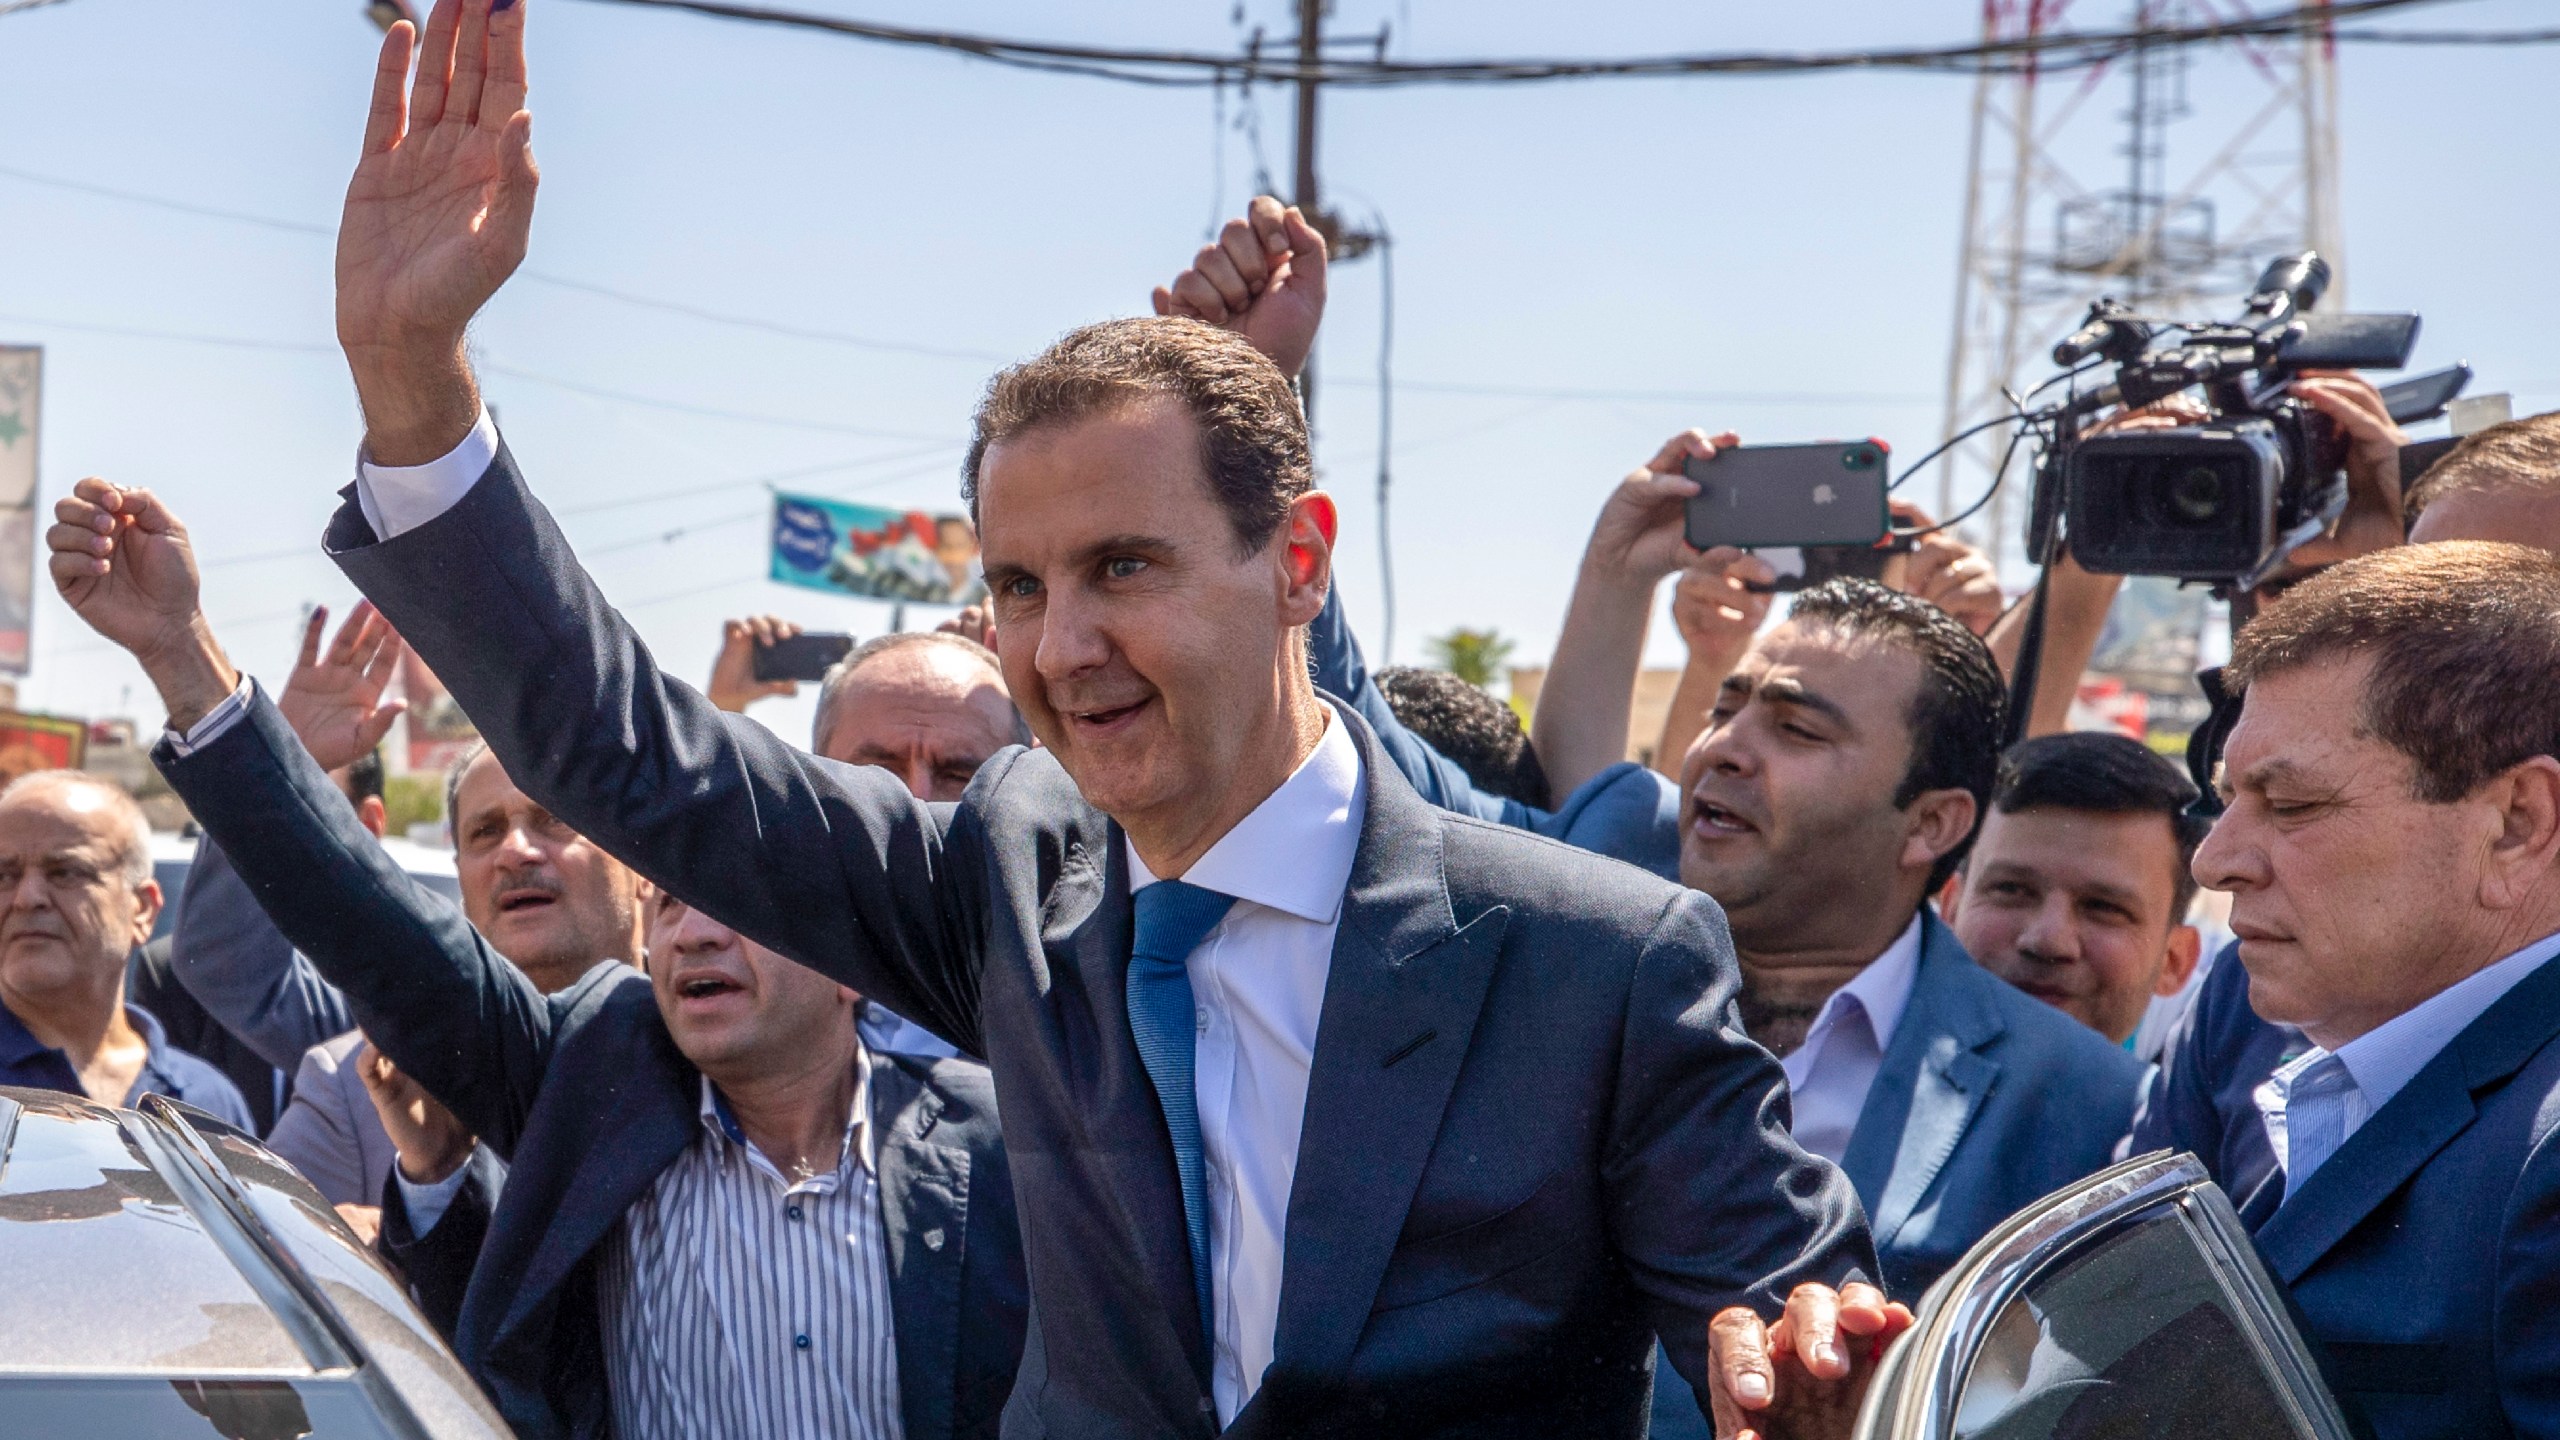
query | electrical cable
[2042, 53]
[1997, 476]
[1946, 445]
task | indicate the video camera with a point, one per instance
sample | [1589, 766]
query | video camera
[2227, 499]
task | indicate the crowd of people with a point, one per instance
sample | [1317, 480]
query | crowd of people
[1367, 1063]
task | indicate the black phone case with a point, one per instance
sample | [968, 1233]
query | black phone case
[1805, 495]
[806, 656]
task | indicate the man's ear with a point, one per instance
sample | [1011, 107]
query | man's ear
[1939, 821]
[1307, 556]
[1951, 896]
[2186, 947]
[147, 899]
[2526, 849]
[372, 816]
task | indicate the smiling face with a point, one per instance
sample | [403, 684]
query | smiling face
[2353, 899]
[544, 896]
[2079, 909]
[1157, 658]
[73, 914]
[1786, 813]
[738, 1011]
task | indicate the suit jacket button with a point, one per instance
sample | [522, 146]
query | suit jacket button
[933, 1238]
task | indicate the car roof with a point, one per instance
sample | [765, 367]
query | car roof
[170, 847]
[161, 1243]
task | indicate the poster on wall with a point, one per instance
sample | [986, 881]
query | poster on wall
[874, 553]
[21, 394]
[438, 730]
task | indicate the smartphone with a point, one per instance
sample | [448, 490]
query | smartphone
[1830, 494]
[805, 656]
[1803, 567]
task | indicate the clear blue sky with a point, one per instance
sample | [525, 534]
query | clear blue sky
[1786, 244]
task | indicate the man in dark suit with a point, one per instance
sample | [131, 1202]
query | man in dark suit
[1373, 1121]
[2392, 848]
[724, 1214]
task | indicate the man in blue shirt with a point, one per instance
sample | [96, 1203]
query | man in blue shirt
[76, 897]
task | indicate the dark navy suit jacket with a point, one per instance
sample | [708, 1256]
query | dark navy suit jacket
[586, 1096]
[2424, 1255]
[1534, 1131]
[1987, 1100]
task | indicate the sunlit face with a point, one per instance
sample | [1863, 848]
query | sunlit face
[930, 714]
[2351, 897]
[545, 896]
[2517, 517]
[1147, 651]
[736, 1009]
[72, 916]
[2079, 909]
[1786, 810]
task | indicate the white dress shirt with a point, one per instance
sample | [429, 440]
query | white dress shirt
[1835, 1067]
[1257, 982]
[2316, 1100]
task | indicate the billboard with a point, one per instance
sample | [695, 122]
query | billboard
[875, 553]
[21, 393]
[29, 743]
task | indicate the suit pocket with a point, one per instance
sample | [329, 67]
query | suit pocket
[1477, 1252]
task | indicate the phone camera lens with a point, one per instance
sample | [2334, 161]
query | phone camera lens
[1861, 458]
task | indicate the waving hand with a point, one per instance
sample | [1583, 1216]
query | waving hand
[437, 218]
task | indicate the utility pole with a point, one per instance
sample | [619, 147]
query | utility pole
[1310, 54]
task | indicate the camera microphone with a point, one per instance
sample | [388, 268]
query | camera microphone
[2290, 286]
[2112, 331]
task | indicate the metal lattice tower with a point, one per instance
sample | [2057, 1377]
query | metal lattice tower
[2071, 193]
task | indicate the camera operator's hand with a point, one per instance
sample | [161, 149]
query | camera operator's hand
[1263, 278]
[1948, 573]
[2372, 519]
[734, 685]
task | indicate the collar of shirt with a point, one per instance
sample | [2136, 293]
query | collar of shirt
[721, 1125]
[23, 1057]
[1878, 994]
[2383, 1060]
[1294, 852]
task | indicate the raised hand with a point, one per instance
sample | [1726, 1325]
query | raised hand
[1714, 606]
[734, 685]
[1263, 278]
[1641, 534]
[2372, 519]
[334, 701]
[427, 1140]
[437, 218]
[1804, 1377]
[1950, 574]
[124, 564]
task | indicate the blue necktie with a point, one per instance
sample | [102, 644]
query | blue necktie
[1172, 919]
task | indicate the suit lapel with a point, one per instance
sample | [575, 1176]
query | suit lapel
[924, 1193]
[1931, 1084]
[638, 1128]
[1400, 1006]
[2401, 1137]
[1085, 932]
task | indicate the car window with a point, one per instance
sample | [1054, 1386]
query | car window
[2137, 1335]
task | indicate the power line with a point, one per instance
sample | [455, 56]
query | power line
[538, 277]
[2054, 51]
[712, 412]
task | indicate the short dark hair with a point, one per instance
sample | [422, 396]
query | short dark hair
[1476, 732]
[1253, 437]
[2105, 774]
[2465, 641]
[1956, 712]
[2512, 455]
[364, 777]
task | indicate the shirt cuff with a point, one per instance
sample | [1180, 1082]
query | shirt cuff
[426, 1204]
[217, 722]
[399, 498]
